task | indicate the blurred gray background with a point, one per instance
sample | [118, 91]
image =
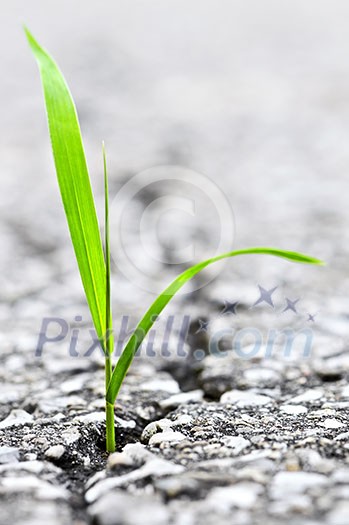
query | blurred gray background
[255, 95]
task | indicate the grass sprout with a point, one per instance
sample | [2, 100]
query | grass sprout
[93, 261]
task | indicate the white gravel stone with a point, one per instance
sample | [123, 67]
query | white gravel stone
[99, 417]
[92, 417]
[237, 443]
[99, 476]
[244, 399]
[132, 454]
[344, 436]
[123, 423]
[337, 405]
[341, 476]
[154, 427]
[35, 467]
[166, 437]
[183, 397]
[75, 384]
[55, 452]
[55, 404]
[71, 435]
[242, 495]
[258, 376]
[9, 454]
[119, 458]
[315, 461]
[307, 397]
[331, 423]
[286, 484]
[30, 456]
[155, 467]
[322, 412]
[293, 410]
[184, 419]
[121, 507]
[43, 490]
[15, 418]
[166, 385]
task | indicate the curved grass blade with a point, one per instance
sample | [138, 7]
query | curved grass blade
[165, 297]
[74, 183]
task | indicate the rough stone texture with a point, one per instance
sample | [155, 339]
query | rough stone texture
[256, 96]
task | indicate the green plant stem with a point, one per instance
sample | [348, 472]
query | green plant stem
[108, 346]
[109, 411]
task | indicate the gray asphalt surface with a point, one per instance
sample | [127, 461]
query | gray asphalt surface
[244, 106]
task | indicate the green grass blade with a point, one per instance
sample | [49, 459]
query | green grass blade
[165, 297]
[74, 183]
[109, 339]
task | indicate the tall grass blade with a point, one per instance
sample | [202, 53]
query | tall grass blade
[165, 297]
[109, 340]
[74, 183]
